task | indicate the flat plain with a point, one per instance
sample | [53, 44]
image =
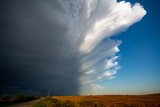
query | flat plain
[152, 100]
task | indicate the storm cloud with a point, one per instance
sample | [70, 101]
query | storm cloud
[62, 45]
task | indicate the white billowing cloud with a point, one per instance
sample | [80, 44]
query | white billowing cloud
[121, 16]
[108, 49]
[104, 18]
[111, 62]
[90, 25]
[107, 74]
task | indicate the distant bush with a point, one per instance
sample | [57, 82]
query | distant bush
[23, 98]
[6, 98]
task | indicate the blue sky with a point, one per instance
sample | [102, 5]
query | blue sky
[140, 55]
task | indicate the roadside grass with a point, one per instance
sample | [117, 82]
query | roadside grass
[53, 102]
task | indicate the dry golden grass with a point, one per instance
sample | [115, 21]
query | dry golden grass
[113, 100]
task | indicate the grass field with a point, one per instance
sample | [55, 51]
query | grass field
[101, 101]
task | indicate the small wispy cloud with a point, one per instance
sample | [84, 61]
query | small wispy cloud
[97, 87]
[90, 72]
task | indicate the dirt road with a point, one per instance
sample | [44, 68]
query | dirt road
[26, 104]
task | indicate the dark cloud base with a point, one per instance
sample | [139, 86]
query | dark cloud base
[30, 50]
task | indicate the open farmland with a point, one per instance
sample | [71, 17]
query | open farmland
[101, 101]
